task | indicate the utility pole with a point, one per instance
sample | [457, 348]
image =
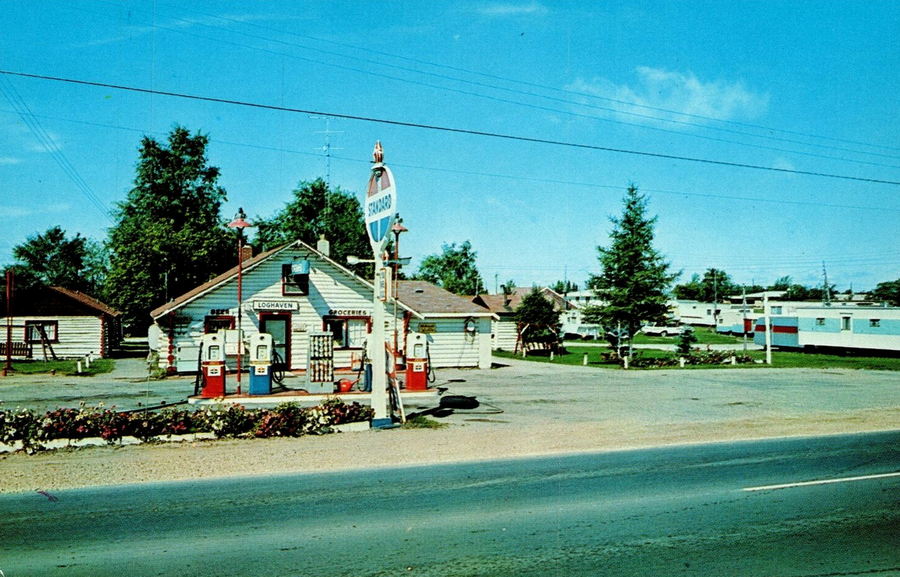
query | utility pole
[768, 327]
[826, 293]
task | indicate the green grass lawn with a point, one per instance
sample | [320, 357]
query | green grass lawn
[780, 359]
[66, 367]
[705, 336]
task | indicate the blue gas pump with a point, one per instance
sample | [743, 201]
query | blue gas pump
[261, 364]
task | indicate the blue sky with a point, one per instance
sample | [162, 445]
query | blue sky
[800, 87]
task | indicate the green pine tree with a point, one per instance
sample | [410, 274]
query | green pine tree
[634, 278]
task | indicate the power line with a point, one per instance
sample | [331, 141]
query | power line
[447, 129]
[444, 66]
[520, 92]
[516, 177]
[49, 144]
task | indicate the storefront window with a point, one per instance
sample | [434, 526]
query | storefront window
[348, 332]
[214, 323]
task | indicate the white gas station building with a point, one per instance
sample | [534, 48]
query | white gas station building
[324, 298]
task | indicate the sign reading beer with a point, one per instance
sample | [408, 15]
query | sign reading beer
[381, 201]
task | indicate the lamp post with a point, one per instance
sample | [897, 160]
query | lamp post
[397, 229]
[240, 223]
[7, 368]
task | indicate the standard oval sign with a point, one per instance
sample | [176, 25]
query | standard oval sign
[381, 206]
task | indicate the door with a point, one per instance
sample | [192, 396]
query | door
[279, 326]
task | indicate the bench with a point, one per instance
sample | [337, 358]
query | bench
[17, 349]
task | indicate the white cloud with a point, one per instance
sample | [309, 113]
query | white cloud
[34, 209]
[9, 160]
[669, 95]
[512, 9]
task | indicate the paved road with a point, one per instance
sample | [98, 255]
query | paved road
[682, 511]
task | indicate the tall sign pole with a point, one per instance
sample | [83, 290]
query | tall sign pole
[380, 208]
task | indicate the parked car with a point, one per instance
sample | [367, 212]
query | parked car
[662, 330]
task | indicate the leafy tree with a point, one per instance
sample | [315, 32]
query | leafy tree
[714, 285]
[888, 291]
[634, 277]
[317, 210]
[454, 269]
[52, 259]
[798, 292]
[168, 236]
[564, 287]
[537, 319]
[781, 284]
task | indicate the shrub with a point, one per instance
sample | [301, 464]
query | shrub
[337, 412]
[232, 421]
[286, 420]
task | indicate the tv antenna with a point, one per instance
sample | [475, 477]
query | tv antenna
[326, 148]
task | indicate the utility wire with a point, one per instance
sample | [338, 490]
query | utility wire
[371, 50]
[618, 111]
[50, 145]
[515, 177]
[447, 129]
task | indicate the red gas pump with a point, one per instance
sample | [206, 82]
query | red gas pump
[416, 362]
[212, 364]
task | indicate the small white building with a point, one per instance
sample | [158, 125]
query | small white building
[55, 321]
[295, 291]
[694, 313]
[849, 327]
[504, 329]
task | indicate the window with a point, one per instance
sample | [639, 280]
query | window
[820, 322]
[295, 278]
[213, 323]
[874, 323]
[347, 332]
[845, 323]
[776, 310]
[34, 330]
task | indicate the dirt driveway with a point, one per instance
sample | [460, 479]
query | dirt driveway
[526, 409]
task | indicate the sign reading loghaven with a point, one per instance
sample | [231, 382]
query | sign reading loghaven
[275, 306]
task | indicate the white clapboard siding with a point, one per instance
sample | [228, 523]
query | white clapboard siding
[330, 288]
[77, 336]
[505, 334]
[449, 346]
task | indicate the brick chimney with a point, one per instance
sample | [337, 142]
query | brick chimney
[246, 252]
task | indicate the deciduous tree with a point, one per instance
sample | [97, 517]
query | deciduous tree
[537, 319]
[168, 236]
[53, 259]
[888, 291]
[454, 269]
[315, 210]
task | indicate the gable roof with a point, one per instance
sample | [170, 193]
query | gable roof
[432, 300]
[417, 297]
[59, 301]
[502, 304]
[247, 266]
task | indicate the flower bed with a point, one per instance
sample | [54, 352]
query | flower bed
[30, 431]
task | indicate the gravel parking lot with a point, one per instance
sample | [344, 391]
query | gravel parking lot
[526, 409]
